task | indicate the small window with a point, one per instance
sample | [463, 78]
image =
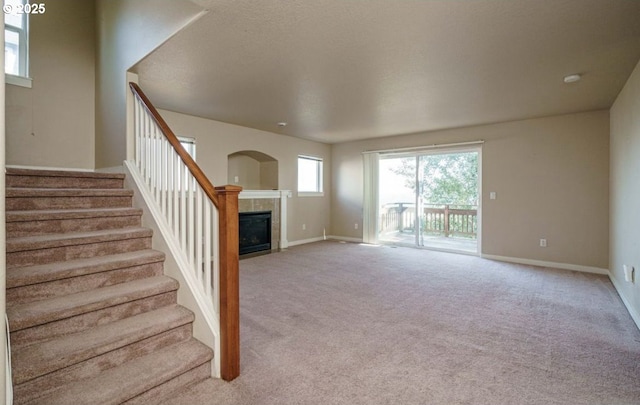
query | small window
[189, 144]
[309, 176]
[16, 39]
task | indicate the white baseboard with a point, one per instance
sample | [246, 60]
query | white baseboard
[541, 263]
[305, 241]
[575, 267]
[320, 238]
[62, 169]
[634, 314]
[345, 238]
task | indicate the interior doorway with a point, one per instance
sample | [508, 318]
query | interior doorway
[430, 199]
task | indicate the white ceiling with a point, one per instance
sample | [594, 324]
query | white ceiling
[340, 70]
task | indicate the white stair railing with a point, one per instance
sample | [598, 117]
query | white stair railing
[189, 208]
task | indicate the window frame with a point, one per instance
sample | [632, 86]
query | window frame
[22, 78]
[319, 181]
[184, 141]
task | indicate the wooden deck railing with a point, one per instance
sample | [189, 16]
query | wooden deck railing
[204, 223]
[445, 221]
[451, 221]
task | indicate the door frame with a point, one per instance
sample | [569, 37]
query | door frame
[371, 209]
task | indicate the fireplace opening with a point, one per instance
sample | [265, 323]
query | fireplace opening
[255, 232]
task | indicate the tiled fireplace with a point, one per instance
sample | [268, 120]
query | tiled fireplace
[262, 201]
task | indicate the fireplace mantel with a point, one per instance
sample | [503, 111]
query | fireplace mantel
[248, 194]
[281, 195]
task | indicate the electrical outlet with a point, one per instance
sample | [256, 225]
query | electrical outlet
[304, 227]
[355, 226]
[543, 243]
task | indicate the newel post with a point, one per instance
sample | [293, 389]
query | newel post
[229, 282]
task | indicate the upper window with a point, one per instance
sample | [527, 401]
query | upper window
[309, 175]
[189, 144]
[16, 38]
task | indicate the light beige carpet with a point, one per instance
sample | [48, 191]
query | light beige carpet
[342, 323]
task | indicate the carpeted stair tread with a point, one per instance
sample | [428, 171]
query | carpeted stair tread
[193, 394]
[64, 220]
[27, 243]
[13, 192]
[25, 198]
[62, 173]
[30, 314]
[35, 360]
[42, 273]
[122, 383]
[92, 318]
[46, 215]
[26, 178]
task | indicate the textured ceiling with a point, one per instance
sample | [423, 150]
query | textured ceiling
[339, 70]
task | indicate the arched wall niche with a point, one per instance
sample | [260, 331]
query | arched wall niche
[252, 170]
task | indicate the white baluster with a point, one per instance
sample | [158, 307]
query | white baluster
[157, 144]
[176, 194]
[216, 262]
[136, 120]
[170, 190]
[143, 147]
[191, 219]
[183, 209]
[198, 235]
[148, 145]
[164, 168]
[207, 247]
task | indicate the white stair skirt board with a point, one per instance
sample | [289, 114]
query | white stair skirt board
[206, 327]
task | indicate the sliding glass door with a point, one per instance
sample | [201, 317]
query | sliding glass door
[430, 199]
[397, 199]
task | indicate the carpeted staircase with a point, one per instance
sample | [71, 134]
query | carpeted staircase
[93, 320]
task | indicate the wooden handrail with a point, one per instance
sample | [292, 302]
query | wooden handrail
[195, 170]
[225, 199]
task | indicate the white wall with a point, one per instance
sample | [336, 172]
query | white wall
[127, 31]
[216, 140]
[246, 170]
[52, 124]
[269, 175]
[550, 175]
[625, 191]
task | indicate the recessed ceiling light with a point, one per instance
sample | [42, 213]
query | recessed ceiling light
[572, 78]
[282, 124]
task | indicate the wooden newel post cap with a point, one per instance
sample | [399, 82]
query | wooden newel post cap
[228, 189]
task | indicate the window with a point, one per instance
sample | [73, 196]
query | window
[309, 176]
[16, 42]
[189, 144]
